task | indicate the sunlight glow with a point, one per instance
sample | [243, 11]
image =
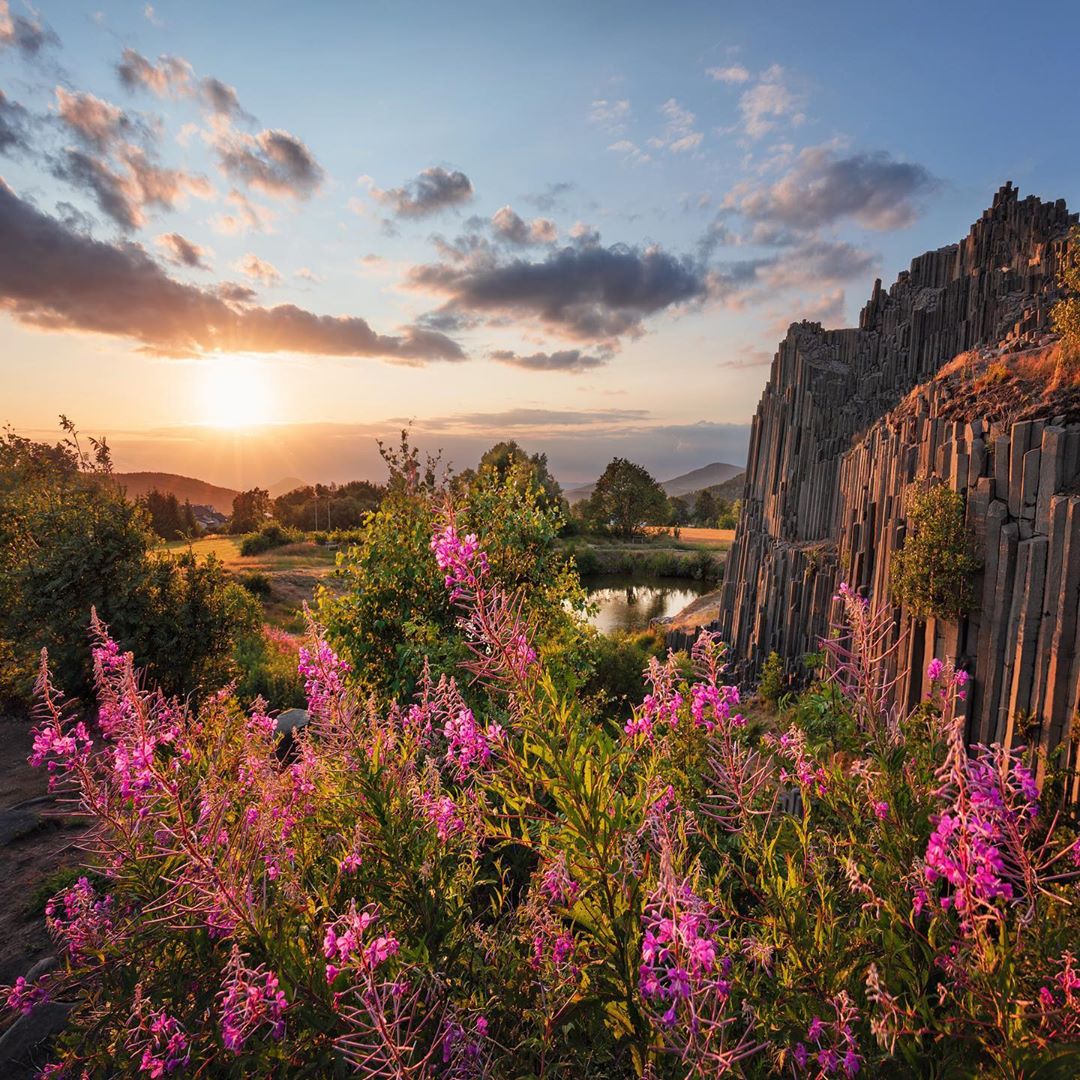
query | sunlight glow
[235, 392]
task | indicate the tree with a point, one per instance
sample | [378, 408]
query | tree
[329, 506]
[250, 510]
[393, 613]
[705, 509]
[932, 572]
[71, 542]
[626, 498]
[531, 469]
[170, 519]
[727, 513]
[1066, 312]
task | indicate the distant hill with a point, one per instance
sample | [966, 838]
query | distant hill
[285, 485]
[197, 492]
[706, 477]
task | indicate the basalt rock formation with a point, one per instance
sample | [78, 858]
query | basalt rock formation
[850, 418]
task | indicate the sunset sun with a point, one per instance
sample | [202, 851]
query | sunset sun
[234, 392]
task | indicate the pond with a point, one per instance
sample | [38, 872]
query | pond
[631, 602]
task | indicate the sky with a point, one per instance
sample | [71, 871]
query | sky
[245, 240]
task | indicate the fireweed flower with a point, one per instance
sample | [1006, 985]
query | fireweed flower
[157, 1040]
[833, 1046]
[464, 1051]
[662, 703]
[23, 996]
[322, 671]
[251, 999]
[353, 943]
[468, 744]
[461, 559]
[557, 884]
[79, 919]
[791, 746]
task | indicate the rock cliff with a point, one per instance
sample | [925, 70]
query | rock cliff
[851, 417]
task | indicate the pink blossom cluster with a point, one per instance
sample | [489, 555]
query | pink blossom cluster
[442, 812]
[79, 919]
[59, 751]
[976, 848]
[804, 770]
[250, 999]
[468, 744]
[346, 945]
[464, 1050]
[945, 679]
[557, 884]
[322, 671]
[834, 1050]
[711, 705]
[680, 957]
[662, 703]
[461, 559]
[1060, 1006]
[22, 996]
[158, 1040]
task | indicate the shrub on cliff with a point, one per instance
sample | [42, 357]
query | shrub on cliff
[422, 893]
[1066, 312]
[932, 573]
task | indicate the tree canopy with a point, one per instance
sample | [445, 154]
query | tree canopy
[626, 498]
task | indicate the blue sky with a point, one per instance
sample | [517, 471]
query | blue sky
[581, 225]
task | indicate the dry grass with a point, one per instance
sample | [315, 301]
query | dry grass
[714, 539]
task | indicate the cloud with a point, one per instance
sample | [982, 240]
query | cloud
[747, 357]
[433, 190]
[734, 74]
[569, 360]
[26, 35]
[170, 77]
[768, 102]
[97, 123]
[612, 114]
[55, 278]
[183, 252]
[584, 292]
[14, 125]
[123, 193]
[272, 161]
[174, 77]
[679, 135]
[873, 189]
[305, 273]
[248, 216]
[508, 225]
[546, 419]
[827, 309]
[256, 269]
[550, 197]
[631, 151]
[816, 262]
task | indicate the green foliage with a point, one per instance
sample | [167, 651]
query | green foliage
[705, 510]
[727, 515]
[773, 680]
[70, 542]
[933, 570]
[530, 471]
[169, 518]
[256, 583]
[593, 559]
[251, 509]
[328, 506]
[618, 660]
[270, 535]
[627, 498]
[266, 660]
[1066, 312]
[394, 612]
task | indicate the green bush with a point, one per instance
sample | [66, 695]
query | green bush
[773, 680]
[267, 663]
[933, 570]
[271, 535]
[1066, 312]
[256, 583]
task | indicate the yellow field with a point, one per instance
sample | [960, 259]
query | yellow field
[712, 538]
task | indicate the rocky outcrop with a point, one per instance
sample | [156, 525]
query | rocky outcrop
[851, 417]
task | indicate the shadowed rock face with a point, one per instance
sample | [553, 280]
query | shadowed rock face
[831, 454]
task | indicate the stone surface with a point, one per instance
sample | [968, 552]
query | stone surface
[849, 418]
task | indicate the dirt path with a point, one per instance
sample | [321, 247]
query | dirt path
[36, 841]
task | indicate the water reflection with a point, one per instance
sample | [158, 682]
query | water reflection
[628, 602]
